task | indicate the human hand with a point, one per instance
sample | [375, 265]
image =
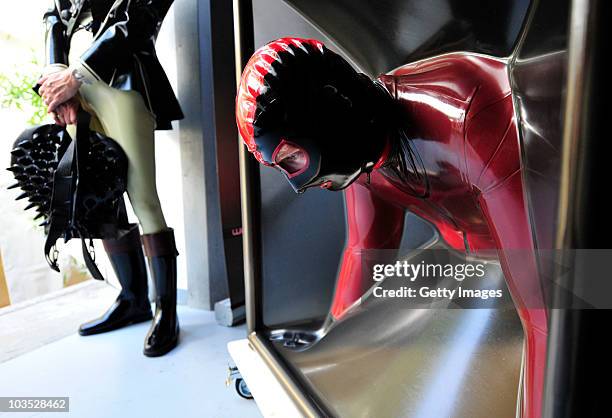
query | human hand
[57, 88]
[66, 113]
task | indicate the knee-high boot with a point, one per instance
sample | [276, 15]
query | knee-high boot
[160, 249]
[132, 305]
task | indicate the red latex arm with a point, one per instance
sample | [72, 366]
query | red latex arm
[372, 224]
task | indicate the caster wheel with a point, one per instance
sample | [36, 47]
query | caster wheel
[243, 389]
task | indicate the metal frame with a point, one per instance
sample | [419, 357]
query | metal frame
[564, 324]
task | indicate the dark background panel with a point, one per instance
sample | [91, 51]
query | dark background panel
[303, 237]
[384, 34]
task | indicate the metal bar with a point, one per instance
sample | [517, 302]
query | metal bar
[249, 178]
[560, 321]
[576, 353]
[577, 44]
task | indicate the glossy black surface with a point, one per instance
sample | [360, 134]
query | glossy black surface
[56, 45]
[120, 314]
[579, 357]
[164, 331]
[132, 304]
[338, 117]
[163, 334]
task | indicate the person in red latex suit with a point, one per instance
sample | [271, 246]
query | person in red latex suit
[437, 137]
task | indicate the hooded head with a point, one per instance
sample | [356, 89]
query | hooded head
[304, 110]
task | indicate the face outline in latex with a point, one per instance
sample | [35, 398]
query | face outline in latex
[290, 158]
[304, 164]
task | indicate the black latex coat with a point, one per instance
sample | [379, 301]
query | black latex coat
[123, 50]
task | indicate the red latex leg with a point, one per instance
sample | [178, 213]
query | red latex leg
[505, 209]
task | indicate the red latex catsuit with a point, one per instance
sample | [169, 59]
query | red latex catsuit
[464, 127]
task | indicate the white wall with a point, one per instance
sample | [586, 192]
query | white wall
[168, 158]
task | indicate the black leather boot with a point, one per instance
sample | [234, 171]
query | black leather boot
[132, 305]
[160, 249]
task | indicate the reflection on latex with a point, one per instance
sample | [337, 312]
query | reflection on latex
[445, 108]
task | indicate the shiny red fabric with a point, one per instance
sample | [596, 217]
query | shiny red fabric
[464, 127]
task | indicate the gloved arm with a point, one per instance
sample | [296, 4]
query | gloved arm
[372, 224]
[56, 44]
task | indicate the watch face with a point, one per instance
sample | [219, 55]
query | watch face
[76, 74]
[79, 77]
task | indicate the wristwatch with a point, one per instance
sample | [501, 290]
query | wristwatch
[80, 77]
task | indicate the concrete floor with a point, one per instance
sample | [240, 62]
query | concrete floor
[28, 325]
[107, 375]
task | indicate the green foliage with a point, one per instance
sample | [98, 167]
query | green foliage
[17, 93]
